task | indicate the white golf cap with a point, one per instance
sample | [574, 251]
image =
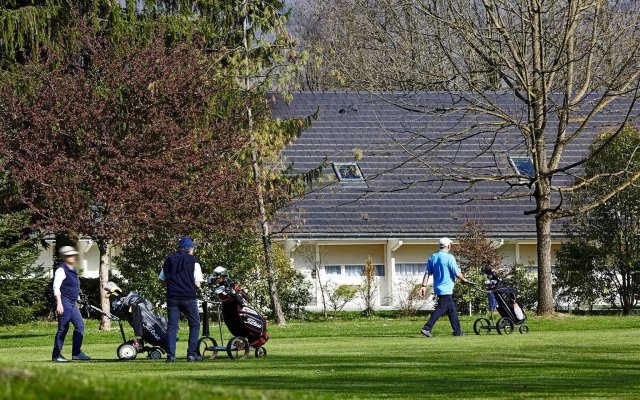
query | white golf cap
[67, 251]
[445, 241]
[220, 271]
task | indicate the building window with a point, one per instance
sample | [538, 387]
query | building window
[410, 269]
[523, 166]
[333, 269]
[357, 270]
[353, 270]
[348, 172]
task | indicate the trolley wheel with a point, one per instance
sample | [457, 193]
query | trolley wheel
[238, 348]
[207, 347]
[523, 329]
[261, 352]
[505, 326]
[155, 354]
[127, 351]
[481, 323]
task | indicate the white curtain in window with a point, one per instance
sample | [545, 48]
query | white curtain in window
[410, 269]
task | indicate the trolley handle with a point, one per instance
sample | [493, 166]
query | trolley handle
[475, 286]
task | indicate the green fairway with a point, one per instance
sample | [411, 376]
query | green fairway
[377, 358]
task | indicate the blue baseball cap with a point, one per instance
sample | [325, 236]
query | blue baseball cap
[186, 243]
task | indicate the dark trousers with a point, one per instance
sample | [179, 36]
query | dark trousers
[445, 306]
[72, 315]
[190, 309]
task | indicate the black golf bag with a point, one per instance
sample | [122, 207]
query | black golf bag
[502, 298]
[150, 329]
[138, 311]
[240, 317]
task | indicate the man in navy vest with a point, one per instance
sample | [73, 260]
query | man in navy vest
[66, 290]
[182, 275]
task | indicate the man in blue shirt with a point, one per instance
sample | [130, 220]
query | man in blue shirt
[182, 275]
[442, 265]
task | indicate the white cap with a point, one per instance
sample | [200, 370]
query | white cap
[445, 241]
[67, 251]
[220, 271]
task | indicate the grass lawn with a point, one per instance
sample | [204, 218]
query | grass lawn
[566, 357]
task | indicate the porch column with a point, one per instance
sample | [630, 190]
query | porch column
[390, 269]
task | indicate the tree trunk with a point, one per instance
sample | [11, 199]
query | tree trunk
[324, 301]
[626, 294]
[266, 240]
[257, 179]
[545, 281]
[105, 264]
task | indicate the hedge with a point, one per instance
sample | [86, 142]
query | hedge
[27, 300]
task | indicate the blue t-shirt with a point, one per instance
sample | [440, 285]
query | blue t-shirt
[444, 269]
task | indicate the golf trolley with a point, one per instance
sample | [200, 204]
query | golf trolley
[502, 299]
[237, 348]
[150, 329]
[246, 324]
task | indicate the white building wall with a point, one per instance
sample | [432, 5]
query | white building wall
[310, 256]
[45, 260]
[88, 261]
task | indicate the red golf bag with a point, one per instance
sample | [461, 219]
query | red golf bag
[239, 316]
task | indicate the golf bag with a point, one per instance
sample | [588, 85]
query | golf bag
[502, 298]
[240, 317]
[138, 311]
[150, 329]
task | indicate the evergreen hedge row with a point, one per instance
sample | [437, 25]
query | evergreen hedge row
[27, 300]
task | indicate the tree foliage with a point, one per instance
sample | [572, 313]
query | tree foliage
[18, 249]
[364, 45]
[578, 278]
[112, 144]
[140, 263]
[261, 64]
[28, 26]
[525, 284]
[474, 251]
[120, 144]
[244, 41]
[602, 256]
[18, 243]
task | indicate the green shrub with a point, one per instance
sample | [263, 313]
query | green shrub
[465, 295]
[525, 284]
[341, 295]
[24, 300]
[141, 262]
[90, 287]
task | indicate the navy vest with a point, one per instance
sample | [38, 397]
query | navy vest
[70, 287]
[178, 274]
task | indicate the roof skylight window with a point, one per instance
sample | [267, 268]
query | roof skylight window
[348, 172]
[523, 166]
